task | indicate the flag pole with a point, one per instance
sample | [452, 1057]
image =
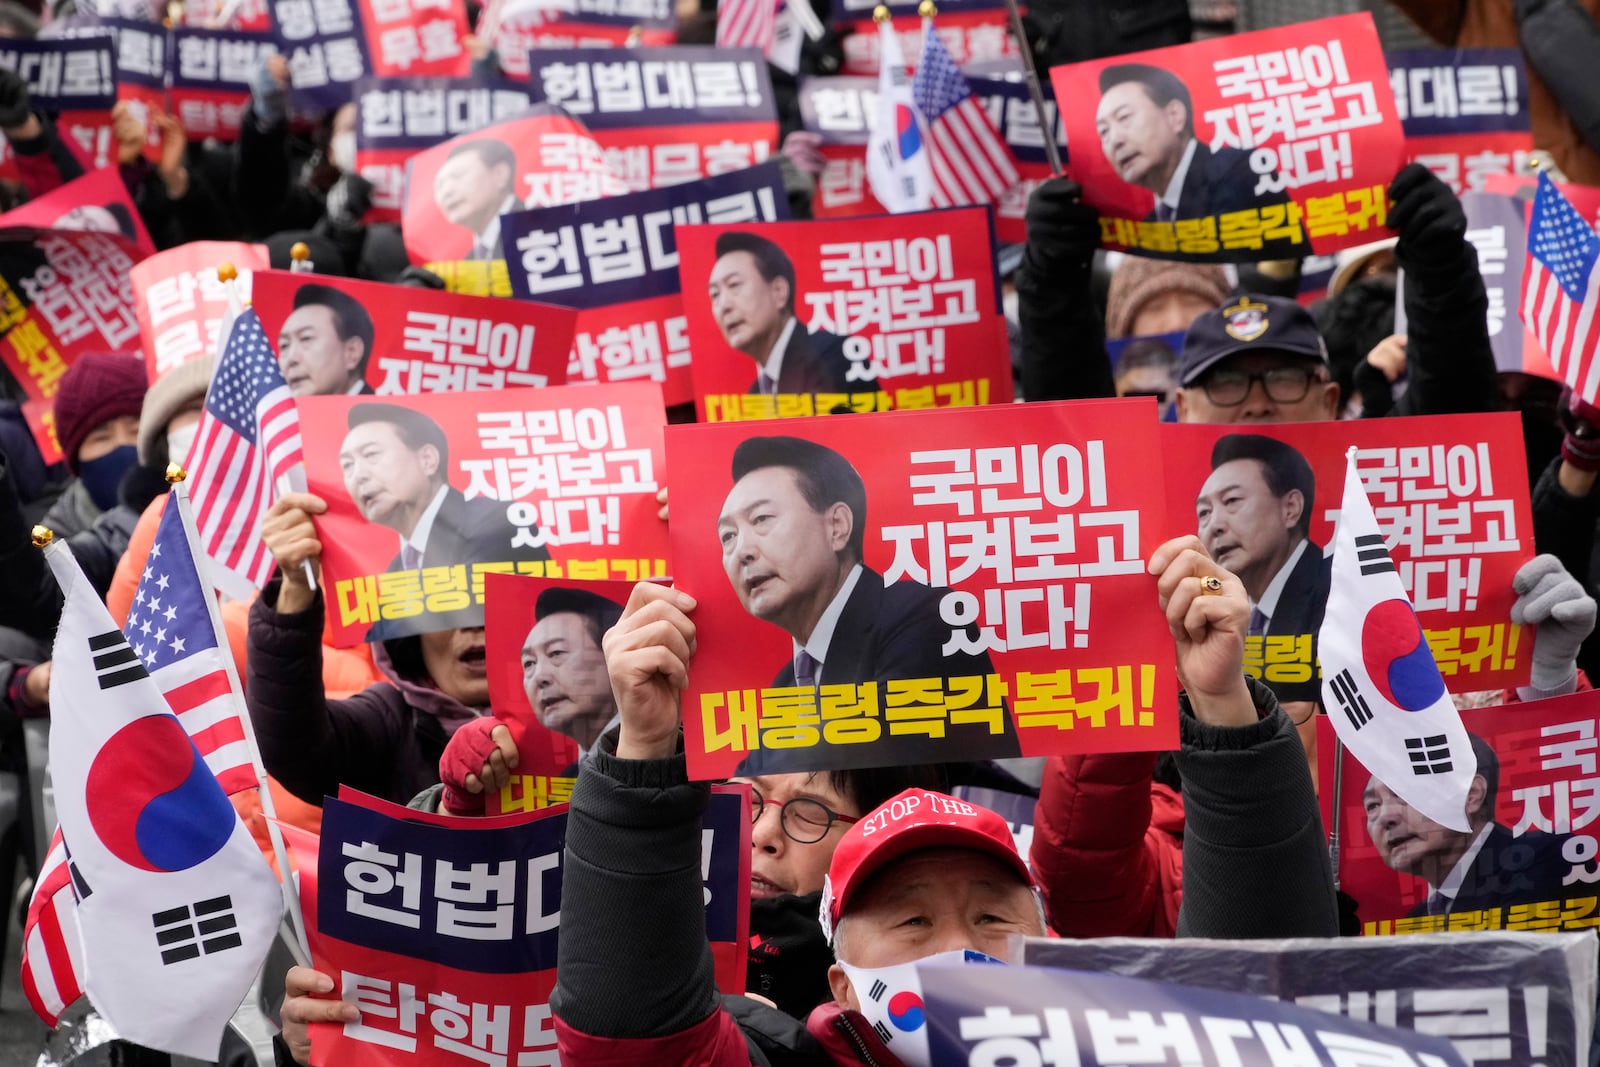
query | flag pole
[298, 945]
[809, 23]
[1031, 75]
[1338, 809]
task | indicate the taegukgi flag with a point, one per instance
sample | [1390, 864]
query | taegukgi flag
[176, 906]
[898, 167]
[1380, 684]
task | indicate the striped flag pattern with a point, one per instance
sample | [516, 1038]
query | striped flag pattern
[970, 162]
[249, 437]
[747, 23]
[170, 630]
[1561, 288]
[52, 955]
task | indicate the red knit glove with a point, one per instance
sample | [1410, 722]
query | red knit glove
[1581, 447]
[467, 753]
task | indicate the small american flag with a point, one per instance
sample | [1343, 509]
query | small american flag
[747, 23]
[171, 630]
[52, 955]
[971, 164]
[249, 437]
[1561, 288]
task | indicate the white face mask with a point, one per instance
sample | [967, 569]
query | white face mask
[895, 1012]
[179, 441]
[342, 151]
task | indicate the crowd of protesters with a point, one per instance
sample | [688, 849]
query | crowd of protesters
[1140, 844]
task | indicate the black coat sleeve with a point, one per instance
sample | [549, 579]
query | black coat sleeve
[634, 961]
[1255, 858]
[1449, 361]
[1063, 337]
[1561, 42]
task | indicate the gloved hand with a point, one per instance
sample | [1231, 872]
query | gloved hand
[1551, 600]
[349, 200]
[1428, 217]
[269, 92]
[1063, 232]
[479, 758]
[419, 278]
[1581, 447]
[15, 105]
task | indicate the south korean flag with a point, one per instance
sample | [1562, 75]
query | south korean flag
[1380, 684]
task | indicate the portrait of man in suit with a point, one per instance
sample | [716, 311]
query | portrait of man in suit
[473, 187]
[792, 530]
[1254, 517]
[395, 461]
[752, 290]
[324, 344]
[564, 665]
[1146, 124]
[1485, 867]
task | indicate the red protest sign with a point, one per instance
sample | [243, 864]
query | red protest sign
[971, 36]
[638, 340]
[982, 599]
[547, 677]
[414, 38]
[181, 303]
[872, 320]
[428, 494]
[1253, 146]
[1450, 493]
[397, 339]
[1528, 860]
[41, 419]
[62, 293]
[97, 202]
[457, 191]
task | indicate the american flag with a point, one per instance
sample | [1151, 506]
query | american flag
[52, 955]
[171, 630]
[249, 437]
[747, 23]
[1561, 288]
[971, 164]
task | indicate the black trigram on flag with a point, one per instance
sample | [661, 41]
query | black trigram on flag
[1350, 699]
[1371, 555]
[115, 663]
[1429, 755]
[185, 933]
[882, 1032]
[878, 989]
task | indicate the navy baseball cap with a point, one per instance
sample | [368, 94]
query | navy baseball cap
[1249, 323]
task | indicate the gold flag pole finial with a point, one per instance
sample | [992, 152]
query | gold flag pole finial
[175, 474]
[880, 13]
[42, 536]
[226, 272]
[927, 9]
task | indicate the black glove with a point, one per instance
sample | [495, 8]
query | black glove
[825, 55]
[15, 107]
[1063, 231]
[420, 278]
[349, 200]
[1428, 217]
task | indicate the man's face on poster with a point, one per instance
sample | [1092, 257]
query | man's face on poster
[389, 481]
[1142, 140]
[781, 556]
[315, 362]
[1243, 525]
[469, 192]
[750, 310]
[564, 674]
[1405, 838]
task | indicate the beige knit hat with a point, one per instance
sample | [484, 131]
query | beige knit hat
[1138, 280]
[168, 395]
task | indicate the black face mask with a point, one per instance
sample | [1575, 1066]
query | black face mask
[788, 956]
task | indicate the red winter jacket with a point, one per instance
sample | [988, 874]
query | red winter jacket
[1108, 847]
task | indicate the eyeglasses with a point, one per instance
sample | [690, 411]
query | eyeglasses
[804, 821]
[1284, 385]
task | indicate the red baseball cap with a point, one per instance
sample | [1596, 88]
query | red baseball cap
[914, 820]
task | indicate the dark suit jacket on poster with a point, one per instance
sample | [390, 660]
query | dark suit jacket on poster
[815, 363]
[1221, 181]
[1512, 870]
[1304, 598]
[884, 633]
[463, 531]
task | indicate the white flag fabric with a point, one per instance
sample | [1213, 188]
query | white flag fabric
[1380, 684]
[898, 168]
[176, 906]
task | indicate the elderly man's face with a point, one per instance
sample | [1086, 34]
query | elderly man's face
[389, 481]
[468, 192]
[1141, 140]
[780, 555]
[314, 361]
[749, 309]
[564, 673]
[1320, 402]
[1243, 525]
